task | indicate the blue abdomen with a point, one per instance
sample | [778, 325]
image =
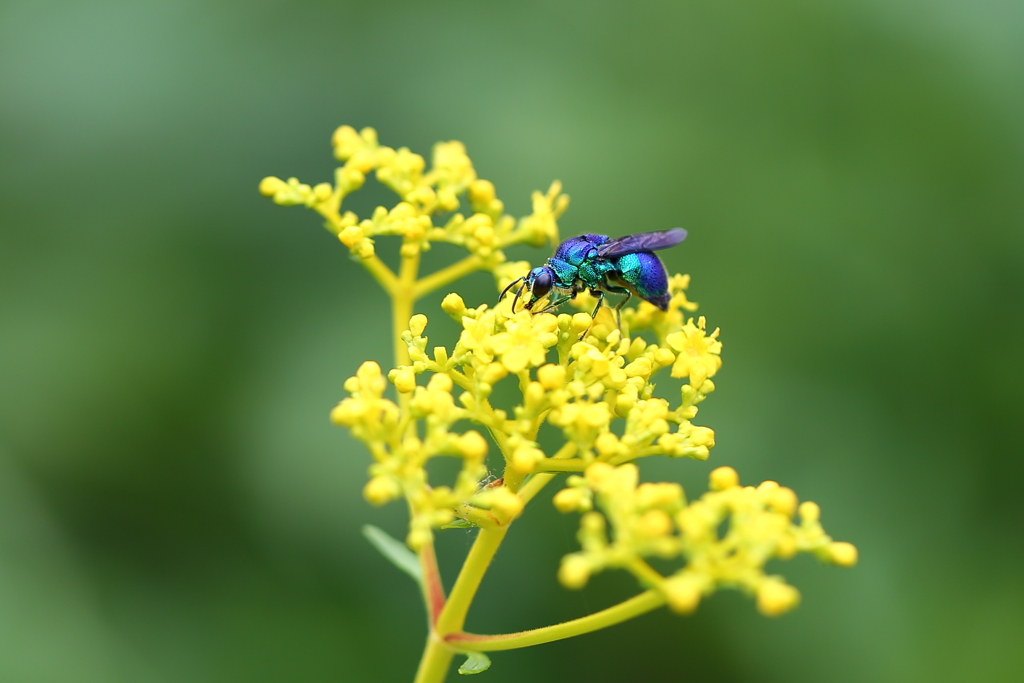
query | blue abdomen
[644, 273]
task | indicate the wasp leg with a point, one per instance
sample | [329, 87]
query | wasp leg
[600, 297]
[555, 304]
[618, 306]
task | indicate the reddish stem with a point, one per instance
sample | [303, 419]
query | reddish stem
[432, 587]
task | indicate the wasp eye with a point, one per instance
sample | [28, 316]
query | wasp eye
[541, 284]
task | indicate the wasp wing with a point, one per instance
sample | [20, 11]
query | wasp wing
[645, 241]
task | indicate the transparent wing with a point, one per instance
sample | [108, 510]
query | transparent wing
[644, 241]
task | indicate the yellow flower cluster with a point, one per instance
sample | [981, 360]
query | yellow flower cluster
[653, 520]
[592, 379]
[581, 386]
[424, 194]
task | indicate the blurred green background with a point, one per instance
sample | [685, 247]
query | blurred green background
[175, 506]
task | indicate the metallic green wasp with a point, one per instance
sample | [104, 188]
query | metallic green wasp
[599, 264]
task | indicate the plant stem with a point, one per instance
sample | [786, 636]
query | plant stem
[634, 607]
[453, 616]
[540, 480]
[445, 275]
[437, 657]
[381, 273]
[574, 465]
[433, 590]
[402, 299]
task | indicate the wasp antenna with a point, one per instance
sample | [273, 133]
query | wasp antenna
[510, 286]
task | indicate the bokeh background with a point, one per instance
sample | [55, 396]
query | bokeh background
[176, 507]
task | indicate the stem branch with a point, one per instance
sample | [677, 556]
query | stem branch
[634, 607]
[451, 273]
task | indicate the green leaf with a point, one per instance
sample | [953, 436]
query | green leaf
[475, 663]
[396, 551]
[460, 524]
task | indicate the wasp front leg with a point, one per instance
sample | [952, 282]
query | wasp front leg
[556, 303]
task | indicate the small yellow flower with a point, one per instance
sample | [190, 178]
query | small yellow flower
[699, 354]
[525, 341]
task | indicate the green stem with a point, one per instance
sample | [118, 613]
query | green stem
[453, 616]
[437, 658]
[446, 275]
[382, 274]
[402, 299]
[552, 465]
[539, 481]
[634, 607]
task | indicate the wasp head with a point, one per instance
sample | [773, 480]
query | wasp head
[538, 281]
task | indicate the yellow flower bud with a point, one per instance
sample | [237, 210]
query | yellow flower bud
[493, 373]
[654, 523]
[616, 379]
[598, 472]
[783, 500]
[411, 444]
[404, 379]
[580, 323]
[639, 368]
[481, 192]
[664, 357]
[351, 176]
[682, 594]
[271, 185]
[574, 572]
[506, 503]
[419, 538]
[596, 415]
[442, 517]
[472, 445]
[446, 200]
[843, 554]
[322, 192]
[576, 389]
[417, 324]
[525, 458]
[810, 512]
[381, 489]
[607, 444]
[351, 236]
[453, 305]
[439, 382]
[663, 495]
[702, 436]
[624, 403]
[365, 249]
[786, 547]
[570, 500]
[723, 478]
[551, 376]
[775, 598]
[368, 371]
[346, 413]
